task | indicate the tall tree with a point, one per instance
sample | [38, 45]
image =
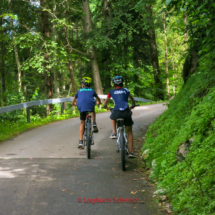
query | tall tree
[54, 68]
[166, 55]
[107, 52]
[69, 51]
[154, 55]
[46, 35]
[92, 50]
[15, 51]
[3, 87]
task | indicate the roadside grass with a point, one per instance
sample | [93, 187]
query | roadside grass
[11, 128]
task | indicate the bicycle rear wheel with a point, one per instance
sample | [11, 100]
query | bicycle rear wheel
[122, 146]
[88, 139]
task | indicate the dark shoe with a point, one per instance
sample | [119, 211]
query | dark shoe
[113, 136]
[81, 145]
[95, 128]
[131, 155]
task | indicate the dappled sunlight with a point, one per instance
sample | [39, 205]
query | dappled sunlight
[33, 171]
[8, 173]
[142, 108]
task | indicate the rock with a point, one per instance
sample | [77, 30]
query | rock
[159, 192]
[184, 149]
[154, 164]
[191, 140]
[163, 198]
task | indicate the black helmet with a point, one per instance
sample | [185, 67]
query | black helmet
[118, 80]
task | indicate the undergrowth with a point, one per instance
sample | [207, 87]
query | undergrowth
[189, 184]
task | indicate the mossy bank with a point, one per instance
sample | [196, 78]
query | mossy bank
[180, 147]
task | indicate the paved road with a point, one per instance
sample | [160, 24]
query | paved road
[43, 172]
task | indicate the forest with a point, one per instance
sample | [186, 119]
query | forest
[164, 49]
[48, 46]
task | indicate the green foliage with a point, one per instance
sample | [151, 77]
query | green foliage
[189, 184]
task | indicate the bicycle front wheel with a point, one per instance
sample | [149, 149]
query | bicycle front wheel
[88, 139]
[122, 146]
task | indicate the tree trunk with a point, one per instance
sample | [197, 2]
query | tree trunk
[185, 30]
[92, 51]
[173, 68]
[16, 52]
[154, 56]
[166, 56]
[107, 16]
[48, 73]
[191, 61]
[3, 88]
[72, 75]
[54, 69]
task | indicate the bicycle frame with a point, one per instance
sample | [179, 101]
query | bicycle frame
[120, 127]
[88, 134]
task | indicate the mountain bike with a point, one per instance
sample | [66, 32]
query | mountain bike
[88, 135]
[122, 140]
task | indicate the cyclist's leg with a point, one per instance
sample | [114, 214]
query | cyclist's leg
[82, 124]
[82, 129]
[128, 122]
[93, 114]
[113, 117]
[130, 137]
[95, 128]
[113, 122]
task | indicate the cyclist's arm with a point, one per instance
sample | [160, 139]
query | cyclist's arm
[98, 99]
[73, 101]
[106, 102]
[132, 101]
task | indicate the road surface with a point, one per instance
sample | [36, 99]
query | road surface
[43, 172]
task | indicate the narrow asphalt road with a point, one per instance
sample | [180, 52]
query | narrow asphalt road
[43, 172]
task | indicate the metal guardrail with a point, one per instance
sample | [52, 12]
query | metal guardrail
[27, 105]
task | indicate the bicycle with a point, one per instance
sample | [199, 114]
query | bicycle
[122, 140]
[88, 135]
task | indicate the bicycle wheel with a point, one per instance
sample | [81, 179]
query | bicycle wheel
[122, 146]
[88, 139]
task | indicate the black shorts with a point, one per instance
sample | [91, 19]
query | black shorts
[126, 115]
[83, 115]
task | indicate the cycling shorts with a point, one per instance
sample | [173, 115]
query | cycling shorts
[83, 115]
[126, 115]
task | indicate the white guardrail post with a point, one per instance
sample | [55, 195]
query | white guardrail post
[27, 105]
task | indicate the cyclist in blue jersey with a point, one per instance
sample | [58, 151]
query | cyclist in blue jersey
[121, 109]
[86, 103]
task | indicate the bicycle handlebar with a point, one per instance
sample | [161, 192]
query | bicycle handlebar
[113, 108]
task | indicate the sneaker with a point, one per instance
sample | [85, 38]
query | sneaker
[95, 128]
[92, 142]
[113, 136]
[131, 155]
[81, 145]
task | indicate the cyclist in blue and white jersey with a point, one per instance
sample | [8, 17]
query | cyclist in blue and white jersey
[86, 103]
[121, 109]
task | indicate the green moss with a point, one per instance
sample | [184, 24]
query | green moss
[190, 184]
